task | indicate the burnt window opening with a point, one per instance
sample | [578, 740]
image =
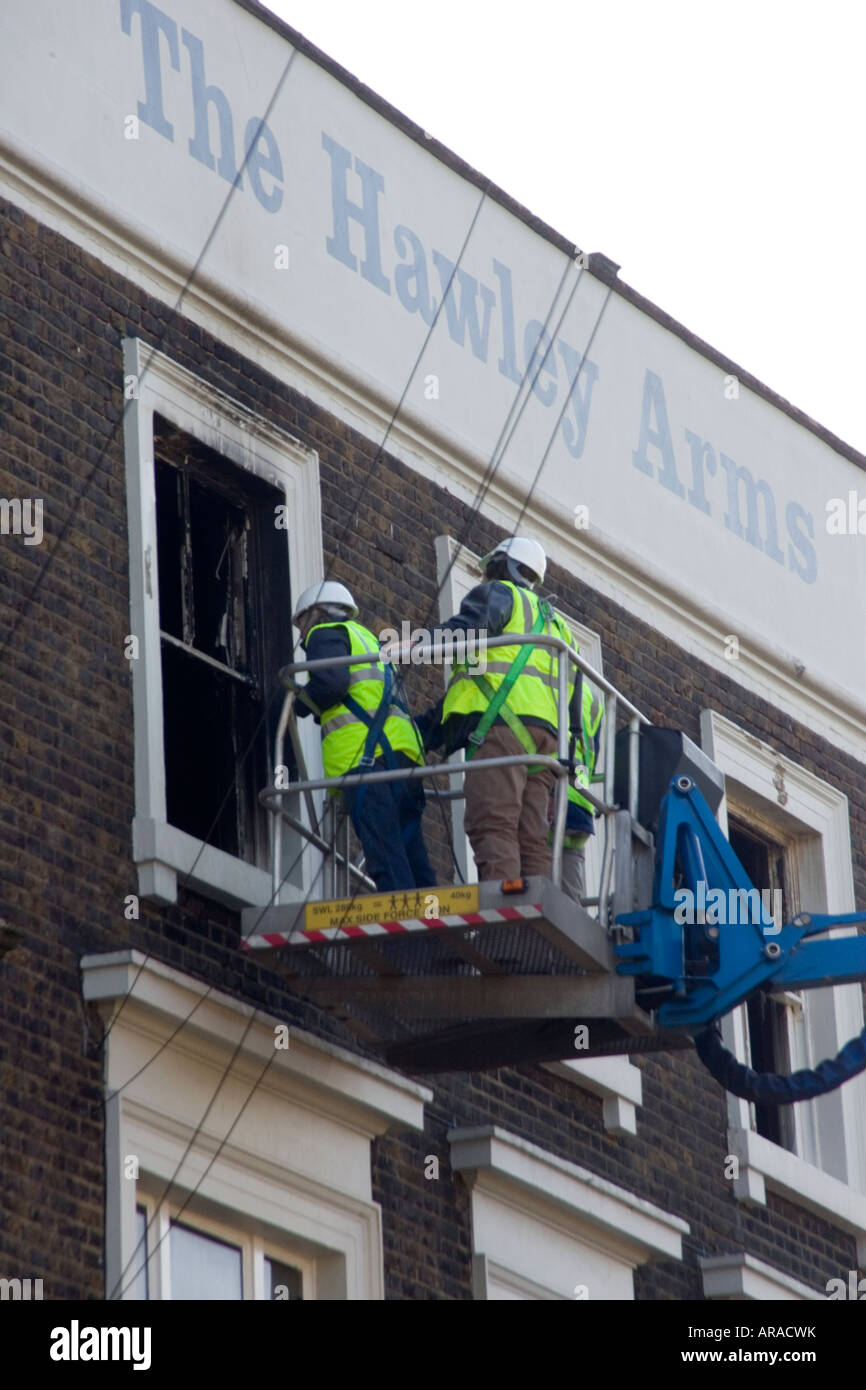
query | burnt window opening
[225, 631]
[764, 861]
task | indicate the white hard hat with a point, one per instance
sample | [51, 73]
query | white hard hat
[523, 551]
[325, 593]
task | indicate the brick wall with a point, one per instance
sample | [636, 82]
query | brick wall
[66, 804]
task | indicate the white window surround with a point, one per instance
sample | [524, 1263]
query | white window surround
[615, 1079]
[544, 1228]
[739, 1276]
[294, 1167]
[254, 1249]
[827, 1174]
[162, 851]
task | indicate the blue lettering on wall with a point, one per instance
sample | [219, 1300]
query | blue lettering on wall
[461, 307]
[366, 213]
[657, 436]
[751, 506]
[741, 484]
[702, 454]
[411, 281]
[508, 360]
[804, 563]
[263, 162]
[260, 147]
[578, 369]
[204, 96]
[538, 350]
[469, 305]
[153, 22]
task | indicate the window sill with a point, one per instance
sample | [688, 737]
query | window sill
[740, 1277]
[764, 1165]
[615, 1079]
[163, 854]
[541, 1223]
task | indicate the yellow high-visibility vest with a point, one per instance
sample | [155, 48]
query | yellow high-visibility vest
[343, 733]
[534, 693]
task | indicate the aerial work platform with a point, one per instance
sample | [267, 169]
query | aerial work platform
[471, 976]
[481, 975]
[477, 977]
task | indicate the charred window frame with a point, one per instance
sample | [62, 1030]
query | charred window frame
[222, 563]
[765, 862]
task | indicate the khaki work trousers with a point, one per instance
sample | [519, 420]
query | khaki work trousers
[506, 808]
[574, 873]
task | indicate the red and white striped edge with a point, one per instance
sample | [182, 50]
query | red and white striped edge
[484, 917]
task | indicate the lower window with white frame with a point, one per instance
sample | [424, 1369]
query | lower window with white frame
[237, 1155]
[181, 1255]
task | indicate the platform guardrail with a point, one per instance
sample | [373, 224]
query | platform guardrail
[272, 797]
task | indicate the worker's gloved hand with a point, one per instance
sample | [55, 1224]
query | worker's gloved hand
[429, 726]
[304, 705]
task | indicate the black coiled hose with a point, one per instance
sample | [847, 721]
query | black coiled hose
[768, 1088]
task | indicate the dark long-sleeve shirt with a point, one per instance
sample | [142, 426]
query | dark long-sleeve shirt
[328, 687]
[486, 608]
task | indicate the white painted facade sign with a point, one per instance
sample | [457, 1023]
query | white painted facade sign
[338, 244]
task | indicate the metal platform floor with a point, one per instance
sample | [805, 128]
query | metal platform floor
[514, 978]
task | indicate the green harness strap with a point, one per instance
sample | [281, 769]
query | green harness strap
[497, 698]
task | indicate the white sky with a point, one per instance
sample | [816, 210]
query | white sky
[714, 149]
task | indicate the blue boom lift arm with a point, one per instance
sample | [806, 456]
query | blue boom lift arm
[709, 941]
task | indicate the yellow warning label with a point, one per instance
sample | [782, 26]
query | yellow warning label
[420, 903]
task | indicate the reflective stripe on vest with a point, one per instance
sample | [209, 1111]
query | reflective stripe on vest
[534, 694]
[593, 709]
[343, 733]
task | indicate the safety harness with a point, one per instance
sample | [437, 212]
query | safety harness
[497, 699]
[375, 722]
[376, 735]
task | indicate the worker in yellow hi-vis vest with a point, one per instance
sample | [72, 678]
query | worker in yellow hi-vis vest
[364, 725]
[509, 709]
[580, 812]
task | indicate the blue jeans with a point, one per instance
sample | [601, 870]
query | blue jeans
[387, 821]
